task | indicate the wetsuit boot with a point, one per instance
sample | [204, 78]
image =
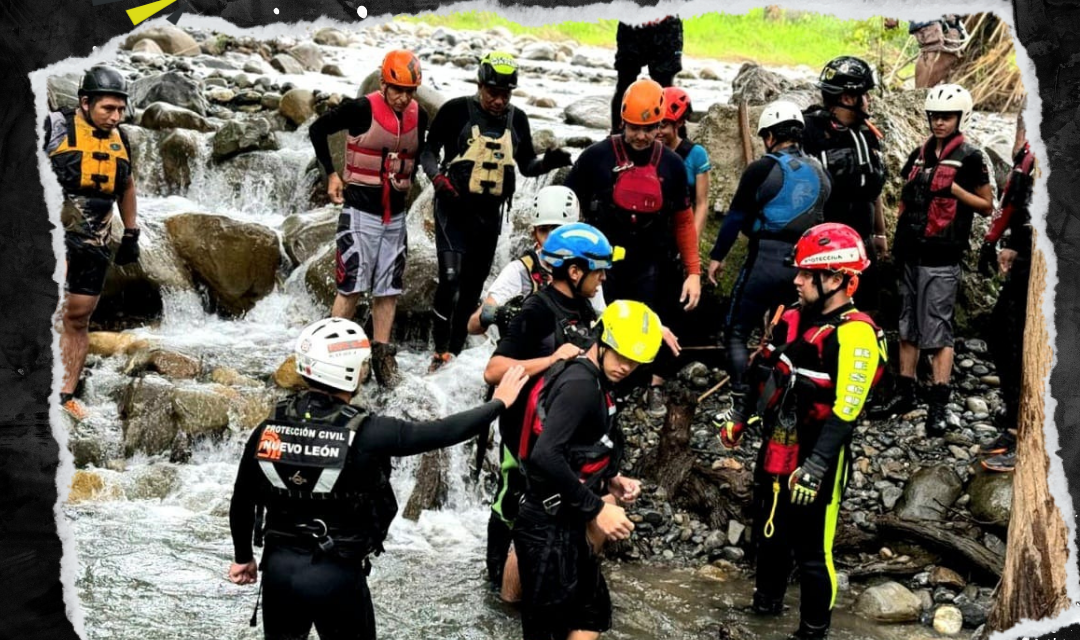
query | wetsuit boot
[937, 417]
[384, 364]
[900, 402]
[810, 632]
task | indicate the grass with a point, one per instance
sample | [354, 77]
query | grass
[793, 39]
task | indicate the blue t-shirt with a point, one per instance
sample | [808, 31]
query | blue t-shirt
[697, 162]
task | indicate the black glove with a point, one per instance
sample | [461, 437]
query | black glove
[988, 263]
[504, 314]
[129, 248]
[555, 158]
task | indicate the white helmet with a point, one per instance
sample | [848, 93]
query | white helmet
[331, 352]
[555, 205]
[777, 112]
[949, 98]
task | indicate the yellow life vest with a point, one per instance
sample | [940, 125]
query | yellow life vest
[90, 161]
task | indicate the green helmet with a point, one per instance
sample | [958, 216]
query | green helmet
[102, 80]
[499, 69]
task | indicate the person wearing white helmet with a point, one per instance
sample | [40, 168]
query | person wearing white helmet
[946, 183]
[780, 195]
[313, 484]
[552, 207]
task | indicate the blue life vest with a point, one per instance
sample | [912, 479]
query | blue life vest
[799, 205]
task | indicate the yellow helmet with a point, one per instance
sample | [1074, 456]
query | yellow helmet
[632, 330]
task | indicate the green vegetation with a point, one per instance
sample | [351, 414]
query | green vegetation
[784, 39]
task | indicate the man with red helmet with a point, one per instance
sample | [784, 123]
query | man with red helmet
[672, 134]
[384, 136]
[817, 364]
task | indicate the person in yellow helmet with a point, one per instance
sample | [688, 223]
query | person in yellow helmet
[570, 449]
[384, 134]
[91, 158]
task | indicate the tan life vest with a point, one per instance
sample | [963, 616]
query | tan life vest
[486, 166]
[386, 152]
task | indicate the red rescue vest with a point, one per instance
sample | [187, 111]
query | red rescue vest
[1004, 215]
[637, 188]
[941, 211]
[385, 154]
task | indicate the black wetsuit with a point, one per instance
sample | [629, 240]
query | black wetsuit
[658, 46]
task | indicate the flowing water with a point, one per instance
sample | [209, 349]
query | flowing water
[154, 567]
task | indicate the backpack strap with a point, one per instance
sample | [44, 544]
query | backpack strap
[621, 161]
[657, 153]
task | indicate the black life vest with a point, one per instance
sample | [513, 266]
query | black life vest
[314, 474]
[856, 168]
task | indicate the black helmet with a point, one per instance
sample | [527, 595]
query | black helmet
[499, 69]
[102, 80]
[847, 74]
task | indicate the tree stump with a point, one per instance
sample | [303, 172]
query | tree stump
[431, 488]
[1033, 583]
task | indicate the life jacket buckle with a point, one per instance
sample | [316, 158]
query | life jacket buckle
[551, 504]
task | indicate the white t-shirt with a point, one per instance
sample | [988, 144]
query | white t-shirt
[514, 281]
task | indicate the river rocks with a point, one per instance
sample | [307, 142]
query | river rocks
[134, 291]
[146, 411]
[303, 235]
[153, 482]
[332, 70]
[63, 91]
[330, 37]
[297, 105]
[237, 261]
[229, 377]
[948, 620]
[945, 577]
[147, 46]
[170, 39]
[593, 112]
[161, 115]
[241, 137]
[991, 497]
[888, 602]
[285, 63]
[712, 573]
[111, 343]
[200, 412]
[308, 55]
[168, 363]
[976, 404]
[171, 87]
[92, 485]
[928, 493]
[539, 51]
[286, 376]
[178, 151]
[757, 86]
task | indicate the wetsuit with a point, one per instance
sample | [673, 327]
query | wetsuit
[93, 167]
[315, 574]
[773, 206]
[467, 226]
[657, 45]
[852, 156]
[547, 320]
[568, 465]
[837, 358]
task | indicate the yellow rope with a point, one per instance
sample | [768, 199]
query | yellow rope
[770, 529]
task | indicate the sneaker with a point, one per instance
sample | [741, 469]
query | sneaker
[1004, 463]
[384, 365]
[656, 402]
[438, 361]
[73, 407]
[1002, 444]
[900, 402]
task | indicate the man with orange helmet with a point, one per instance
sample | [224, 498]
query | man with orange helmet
[635, 191]
[384, 136]
[657, 45]
[810, 380]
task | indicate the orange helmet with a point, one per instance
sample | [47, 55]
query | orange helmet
[676, 104]
[643, 103]
[401, 68]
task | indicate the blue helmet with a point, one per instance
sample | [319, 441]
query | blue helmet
[579, 241]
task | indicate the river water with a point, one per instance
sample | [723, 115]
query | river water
[152, 557]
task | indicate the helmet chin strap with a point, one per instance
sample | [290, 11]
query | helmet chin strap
[858, 110]
[818, 305]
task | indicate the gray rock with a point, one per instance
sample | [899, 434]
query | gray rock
[943, 595]
[888, 602]
[974, 614]
[926, 600]
[255, 66]
[221, 95]
[756, 85]
[331, 37]
[146, 412]
[309, 56]
[161, 115]
[991, 497]
[148, 46]
[63, 91]
[928, 493]
[285, 63]
[593, 112]
[948, 620]
[974, 345]
[890, 495]
[297, 105]
[170, 39]
[332, 70]
[735, 531]
[178, 151]
[304, 234]
[270, 101]
[976, 404]
[155, 481]
[200, 412]
[733, 554]
[171, 87]
[241, 137]
[539, 51]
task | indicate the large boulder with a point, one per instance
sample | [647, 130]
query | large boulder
[331, 37]
[888, 602]
[162, 115]
[179, 151]
[308, 55]
[63, 91]
[146, 413]
[297, 105]
[134, 291]
[285, 63]
[238, 137]
[756, 85]
[170, 39]
[991, 498]
[200, 411]
[172, 87]
[593, 112]
[237, 261]
[929, 493]
[111, 343]
[147, 46]
[170, 364]
[304, 234]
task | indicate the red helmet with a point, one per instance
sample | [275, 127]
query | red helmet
[831, 247]
[676, 104]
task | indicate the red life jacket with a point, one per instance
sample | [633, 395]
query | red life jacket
[940, 210]
[385, 154]
[1004, 215]
[637, 188]
[590, 460]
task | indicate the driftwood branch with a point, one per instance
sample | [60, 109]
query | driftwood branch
[935, 536]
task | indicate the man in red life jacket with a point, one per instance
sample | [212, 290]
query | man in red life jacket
[947, 183]
[384, 135]
[811, 378]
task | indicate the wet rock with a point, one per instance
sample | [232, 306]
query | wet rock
[712, 573]
[170, 39]
[593, 112]
[181, 450]
[926, 599]
[943, 595]
[270, 101]
[431, 488]
[976, 404]
[135, 290]
[945, 577]
[155, 481]
[890, 495]
[332, 70]
[248, 406]
[86, 452]
[286, 377]
[242, 137]
[237, 261]
[994, 543]
[285, 63]
[948, 620]
[297, 105]
[991, 497]
[111, 343]
[168, 363]
[229, 377]
[146, 412]
[991, 381]
[63, 91]
[928, 493]
[200, 412]
[171, 87]
[89, 486]
[148, 46]
[179, 149]
[974, 614]
[733, 554]
[303, 235]
[308, 55]
[888, 602]
[255, 66]
[161, 115]
[976, 346]
[330, 37]
[221, 95]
